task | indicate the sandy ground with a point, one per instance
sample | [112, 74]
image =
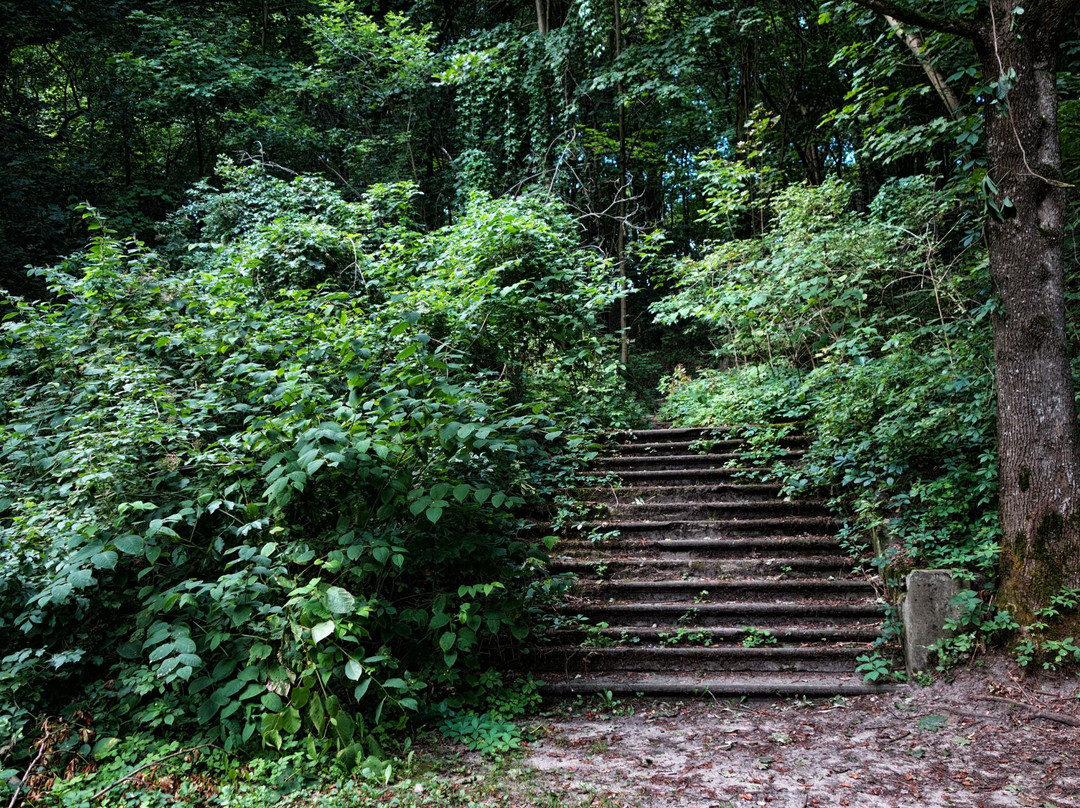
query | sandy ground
[955, 743]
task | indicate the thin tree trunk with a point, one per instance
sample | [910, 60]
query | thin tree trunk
[624, 334]
[1038, 441]
[937, 81]
[543, 25]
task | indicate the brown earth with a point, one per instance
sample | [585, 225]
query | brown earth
[986, 737]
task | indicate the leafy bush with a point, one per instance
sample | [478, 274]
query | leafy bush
[237, 507]
[871, 331]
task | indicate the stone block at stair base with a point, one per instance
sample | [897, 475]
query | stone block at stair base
[925, 610]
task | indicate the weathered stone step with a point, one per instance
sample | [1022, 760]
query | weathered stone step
[707, 528]
[687, 511]
[808, 614]
[745, 547]
[618, 569]
[711, 590]
[568, 658]
[667, 434]
[682, 635]
[676, 476]
[683, 492]
[714, 686]
[673, 462]
[700, 446]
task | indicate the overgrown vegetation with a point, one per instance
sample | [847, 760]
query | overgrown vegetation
[326, 303]
[869, 330]
[258, 488]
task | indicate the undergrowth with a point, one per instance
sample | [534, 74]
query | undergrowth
[261, 489]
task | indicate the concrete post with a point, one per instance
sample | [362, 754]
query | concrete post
[924, 611]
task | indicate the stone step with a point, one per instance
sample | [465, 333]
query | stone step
[676, 462]
[705, 510]
[682, 635]
[669, 434]
[568, 658]
[686, 492]
[705, 528]
[745, 547]
[700, 446]
[619, 569]
[809, 614]
[715, 686]
[711, 590]
[676, 476]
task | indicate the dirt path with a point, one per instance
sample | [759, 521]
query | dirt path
[950, 744]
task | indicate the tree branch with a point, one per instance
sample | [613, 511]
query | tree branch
[916, 46]
[924, 19]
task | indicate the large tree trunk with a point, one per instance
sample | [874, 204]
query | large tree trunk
[1038, 445]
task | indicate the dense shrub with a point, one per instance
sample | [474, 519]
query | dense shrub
[867, 329]
[244, 507]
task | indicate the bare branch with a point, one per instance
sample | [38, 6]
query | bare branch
[924, 19]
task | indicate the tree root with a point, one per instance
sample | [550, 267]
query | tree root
[1060, 718]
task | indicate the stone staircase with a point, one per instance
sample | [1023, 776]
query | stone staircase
[704, 582]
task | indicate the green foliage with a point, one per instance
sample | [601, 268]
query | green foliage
[237, 506]
[757, 637]
[482, 733]
[874, 668]
[484, 720]
[1052, 651]
[870, 332]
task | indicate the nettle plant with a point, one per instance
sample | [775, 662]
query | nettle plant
[272, 512]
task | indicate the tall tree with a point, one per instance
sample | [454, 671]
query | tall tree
[1038, 438]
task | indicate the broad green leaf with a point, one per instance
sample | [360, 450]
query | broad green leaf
[340, 601]
[353, 670]
[104, 560]
[129, 544]
[321, 631]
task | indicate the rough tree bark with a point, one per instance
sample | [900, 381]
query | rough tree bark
[1038, 442]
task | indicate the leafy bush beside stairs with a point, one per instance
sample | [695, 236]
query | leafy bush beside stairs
[241, 507]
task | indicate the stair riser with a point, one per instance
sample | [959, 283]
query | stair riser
[669, 435]
[723, 492]
[676, 568]
[736, 548]
[689, 511]
[712, 592]
[634, 529]
[679, 476]
[701, 446]
[665, 462]
[643, 637]
[716, 688]
[693, 660]
[677, 434]
[806, 617]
